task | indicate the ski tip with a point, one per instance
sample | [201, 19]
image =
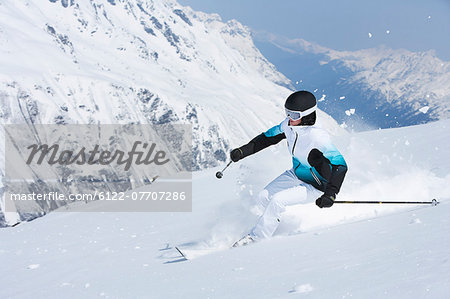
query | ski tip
[434, 202]
[181, 252]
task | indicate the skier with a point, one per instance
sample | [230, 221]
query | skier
[317, 165]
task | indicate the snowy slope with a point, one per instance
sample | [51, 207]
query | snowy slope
[345, 251]
[386, 87]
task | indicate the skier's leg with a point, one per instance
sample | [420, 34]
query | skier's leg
[284, 181]
[275, 203]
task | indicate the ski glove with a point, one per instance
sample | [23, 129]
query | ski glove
[325, 201]
[236, 155]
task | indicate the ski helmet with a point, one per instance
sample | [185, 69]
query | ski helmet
[300, 104]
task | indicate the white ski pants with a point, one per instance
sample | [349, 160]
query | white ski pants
[285, 190]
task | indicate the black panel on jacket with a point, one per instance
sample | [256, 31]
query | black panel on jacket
[334, 174]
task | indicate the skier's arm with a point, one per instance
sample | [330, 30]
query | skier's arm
[266, 139]
[332, 167]
[336, 179]
[338, 171]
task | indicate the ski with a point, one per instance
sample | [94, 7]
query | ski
[181, 252]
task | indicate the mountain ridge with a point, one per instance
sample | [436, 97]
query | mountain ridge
[385, 87]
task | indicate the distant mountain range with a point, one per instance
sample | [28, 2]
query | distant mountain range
[370, 88]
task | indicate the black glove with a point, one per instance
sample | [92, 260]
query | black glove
[236, 155]
[325, 201]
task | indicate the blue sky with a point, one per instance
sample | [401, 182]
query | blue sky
[416, 25]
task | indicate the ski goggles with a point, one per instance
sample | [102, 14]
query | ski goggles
[296, 115]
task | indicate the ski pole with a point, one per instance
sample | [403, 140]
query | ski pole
[219, 174]
[433, 202]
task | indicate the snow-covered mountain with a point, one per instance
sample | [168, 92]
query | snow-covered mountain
[363, 251]
[136, 61]
[381, 87]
